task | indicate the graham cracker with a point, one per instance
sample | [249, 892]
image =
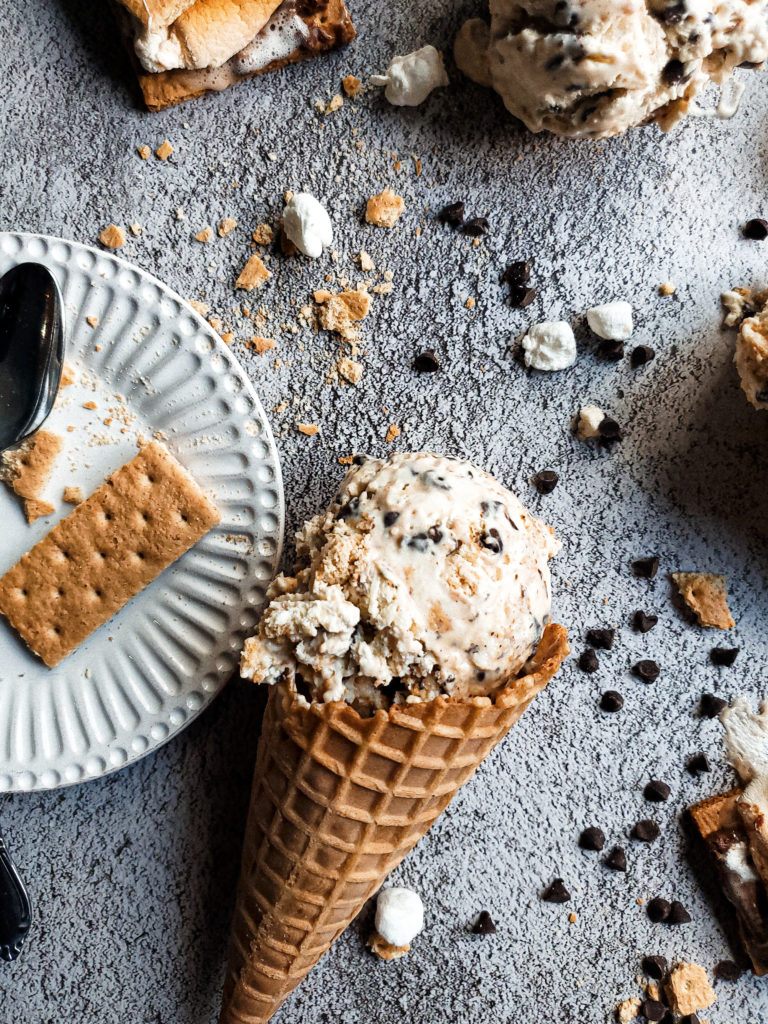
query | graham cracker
[706, 594]
[144, 517]
[329, 26]
[26, 470]
[688, 989]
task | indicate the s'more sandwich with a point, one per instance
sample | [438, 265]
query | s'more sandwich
[185, 48]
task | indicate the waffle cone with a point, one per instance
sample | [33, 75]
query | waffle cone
[337, 802]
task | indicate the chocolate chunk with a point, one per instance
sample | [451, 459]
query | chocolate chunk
[517, 273]
[419, 542]
[728, 970]
[646, 830]
[723, 656]
[658, 909]
[653, 1010]
[390, 518]
[710, 706]
[484, 924]
[643, 623]
[756, 230]
[609, 431]
[697, 764]
[426, 362]
[611, 349]
[556, 892]
[641, 355]
[435, 534]
[588, 661]
[452, 214]
[655, 967]
[647, 670]
[475, 227]
[616, 859]
[678, 914]
[611, 701]
[601, 638]
[645, 568]
[520, 297]
[351, 508]
[491, 540]
[673, 72]
[689, 1018]
[545, 481]
[673, 14]
[656, 791]
[592, 838]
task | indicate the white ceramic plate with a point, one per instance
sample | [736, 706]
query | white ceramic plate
[151, 366]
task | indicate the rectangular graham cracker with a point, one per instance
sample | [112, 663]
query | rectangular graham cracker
[144, 517]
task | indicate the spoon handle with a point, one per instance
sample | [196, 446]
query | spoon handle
[15, 910]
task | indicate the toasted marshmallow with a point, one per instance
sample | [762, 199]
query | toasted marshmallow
[410, 79]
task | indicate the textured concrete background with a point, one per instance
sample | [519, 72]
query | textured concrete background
[133, 876]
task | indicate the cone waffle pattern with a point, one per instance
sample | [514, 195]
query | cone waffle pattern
[337, 802]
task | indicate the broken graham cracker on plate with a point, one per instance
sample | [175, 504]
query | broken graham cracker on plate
[144, 517]
[327, 25]
[706, 594]
[26, 470]
[688, 989]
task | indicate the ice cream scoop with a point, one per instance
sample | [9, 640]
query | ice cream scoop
[424, 576]
[593, 68]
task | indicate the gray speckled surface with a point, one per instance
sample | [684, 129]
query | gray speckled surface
[133, 876]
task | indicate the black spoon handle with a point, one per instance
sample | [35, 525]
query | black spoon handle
[15, 911]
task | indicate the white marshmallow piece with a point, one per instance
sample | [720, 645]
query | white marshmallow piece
[588, 423]
[612, 321]
[550, 346]
[746, 738]
[399, 915]
[410, 79]
[307, 224]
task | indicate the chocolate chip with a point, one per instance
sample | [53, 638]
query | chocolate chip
[609, 430]
[678, 914]
[655, 967]
[616, 859]
[601, 638]
[588, 661]
[556, 892]
[656, 791]
[646, 568]
[647, 670]
[520, 297]
[641, 355]
[646, 830]
[697, 764]
[452, 214]
[723, 656]
[728, 970]
[643, 623]
[673, 72]
[491, 540]
[435, 534]
[658, 909]
[756, 230]
[652, 1009]
[545, 481]
[611, 701]
[592, 838]
[351, 508]
[426, 362]
[418, 542]
[484, 924]
[517, 273]
[390, 518]
[689, 1018]
[611, 349]
[710, 706]
[475, 227]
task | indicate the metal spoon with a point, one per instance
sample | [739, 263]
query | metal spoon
[31, 350]
[15, 910]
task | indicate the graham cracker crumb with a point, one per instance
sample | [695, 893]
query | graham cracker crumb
[470, 303]
[393, 432]
[228, 337]
[366, 262]
[688, 989]
[199, 307]
[73, 495]
[351, 85]
[226, 226]
[340, 313]
[321, 295]
[90, 405]
[350, 370]
[384, 209]
[667, 288]
[706, 594]
[34, 509]
[67, 375]
[628, 1010]
[164, 150]
[253, 275]
[385, 950]
[113, 237]
[92, 321]
[204, 235]
[334, 103]
[260, 344]
[143, 152]
[263, 235]
[310, 429]
[136, 229]
[346, 460]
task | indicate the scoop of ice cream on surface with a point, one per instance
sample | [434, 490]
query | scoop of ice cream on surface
[424, 576]
[594, 68]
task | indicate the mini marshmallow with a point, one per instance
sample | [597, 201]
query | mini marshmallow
[588, 422]
[612, 321]
[410, 79]
[550, 346]
[399, 915]
[307, 224]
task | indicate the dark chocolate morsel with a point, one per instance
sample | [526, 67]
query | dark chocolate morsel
[678, 914]
[710, 706]
[592, 838]
[656, 791]
[658, 909]
[653, 1010]
[600, 637]
[616, 859]
[611, 701]
[556, 892]
[723, 656]
[646, 830]
[646, 568]
[647, 670]
[728, 970]
[545, 481]
[755, 230]
[517, 273]
[426, 362]
[641, 355]
[475, 227]
[697, 764]
[484, 924]
[655, 967]
[643, 623]
[452, 214]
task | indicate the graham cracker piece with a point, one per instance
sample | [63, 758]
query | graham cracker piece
[384, 210]
[35, 508]
[688, 989]
[340, 313]
[73, 494]
[144, 517]
[628, 1010]
[328, 26]
[385, 950]
[706, 594]
[27, 469]
[253, 275]
[112, 237]
[716, 813]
